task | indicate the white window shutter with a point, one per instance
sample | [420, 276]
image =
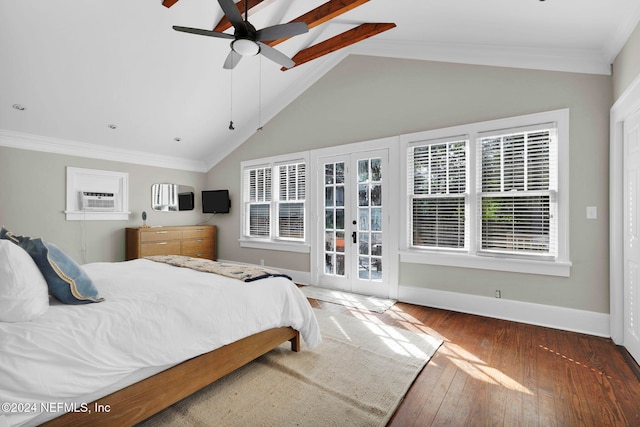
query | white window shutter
[437, 193]
[517, 203]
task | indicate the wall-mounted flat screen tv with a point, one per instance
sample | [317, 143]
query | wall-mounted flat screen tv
[215, 201]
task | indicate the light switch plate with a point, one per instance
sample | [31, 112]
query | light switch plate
[592, 212]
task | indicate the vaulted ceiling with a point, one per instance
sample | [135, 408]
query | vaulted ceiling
[114, 80]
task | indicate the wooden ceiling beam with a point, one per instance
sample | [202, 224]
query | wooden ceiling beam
[357, 34]
[323, 13]
[169, 3]
[224, 23]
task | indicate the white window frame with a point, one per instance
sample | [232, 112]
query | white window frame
[472, 257]
[273, 242]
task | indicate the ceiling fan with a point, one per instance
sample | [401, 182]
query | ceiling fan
[247, 41]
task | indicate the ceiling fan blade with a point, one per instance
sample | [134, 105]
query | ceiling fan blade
[276, 56]
[203, 32]
[231, 12]
[281, 31]
[232, 60]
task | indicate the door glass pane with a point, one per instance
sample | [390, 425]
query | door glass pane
[363, 170]
[339, 195]
[339, 173]
[376, 219]
[328, 173]
[363, 195]
[340, 241]
[363, 219]
[328, 196]
[328, 263]
[328, 241]
[376, 244]
[339, 219]
[363, 247]
[376, 268]
[376, 195]
[363, 268]
[328, 219]
[339, 265]
[376, 170]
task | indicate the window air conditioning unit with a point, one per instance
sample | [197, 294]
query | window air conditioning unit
[97, 202]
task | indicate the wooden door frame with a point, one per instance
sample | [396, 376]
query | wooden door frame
[626, 105]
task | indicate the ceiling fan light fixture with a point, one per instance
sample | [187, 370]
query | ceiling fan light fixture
[245, 47]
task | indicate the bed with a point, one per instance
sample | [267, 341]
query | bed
[160, 333]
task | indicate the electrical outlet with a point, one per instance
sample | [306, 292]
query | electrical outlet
[592, 212]
[262, 262]
[498, 293]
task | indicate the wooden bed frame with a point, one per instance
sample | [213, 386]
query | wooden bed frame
[145, 398]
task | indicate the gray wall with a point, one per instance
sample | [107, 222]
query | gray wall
[366, 98]
[626, 66]
[33, 195]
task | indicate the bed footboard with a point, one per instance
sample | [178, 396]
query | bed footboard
[143, 399]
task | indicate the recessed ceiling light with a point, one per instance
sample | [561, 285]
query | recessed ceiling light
[19, 107]
[112, 126]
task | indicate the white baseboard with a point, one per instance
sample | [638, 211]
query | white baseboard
[568, 319]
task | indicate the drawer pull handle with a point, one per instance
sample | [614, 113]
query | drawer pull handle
[161, 243]
[200, 240]
[161, 232]
[199, 254]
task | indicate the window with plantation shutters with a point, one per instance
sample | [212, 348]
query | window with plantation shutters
[496, 198]
[274, 193]
[437, 186]
[517, 189]
[290, 204]
[258, 205]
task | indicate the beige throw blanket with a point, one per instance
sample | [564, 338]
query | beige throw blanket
[244, 272]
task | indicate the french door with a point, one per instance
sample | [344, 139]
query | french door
[352, 227]
[631, 338]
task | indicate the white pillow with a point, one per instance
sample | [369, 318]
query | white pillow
[23, 291]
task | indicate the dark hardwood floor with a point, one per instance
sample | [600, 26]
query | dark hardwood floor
[493, 372]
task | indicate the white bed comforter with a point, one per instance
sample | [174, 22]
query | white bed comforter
[153, 315]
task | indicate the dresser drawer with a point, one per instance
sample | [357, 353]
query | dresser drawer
[160, 235]
[197, 247]
[171, 247]
[198, 233]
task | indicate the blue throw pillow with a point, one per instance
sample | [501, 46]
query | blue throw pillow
[67, 281]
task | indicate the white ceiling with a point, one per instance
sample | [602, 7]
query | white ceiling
[80, 66]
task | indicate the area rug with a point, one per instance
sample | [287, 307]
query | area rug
[357, 377]
[375, 304]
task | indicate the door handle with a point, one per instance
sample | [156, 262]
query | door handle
[353, 237]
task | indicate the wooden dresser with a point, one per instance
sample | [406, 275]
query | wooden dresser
[197, 241]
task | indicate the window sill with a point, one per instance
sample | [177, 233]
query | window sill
[96, 216]
[276, 245]
[547, 268]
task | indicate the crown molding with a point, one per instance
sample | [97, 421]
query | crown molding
[25, 141]
[617, 41]
[586, 61]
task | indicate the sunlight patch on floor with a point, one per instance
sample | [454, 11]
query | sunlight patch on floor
[479, 370]
[466, 361]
